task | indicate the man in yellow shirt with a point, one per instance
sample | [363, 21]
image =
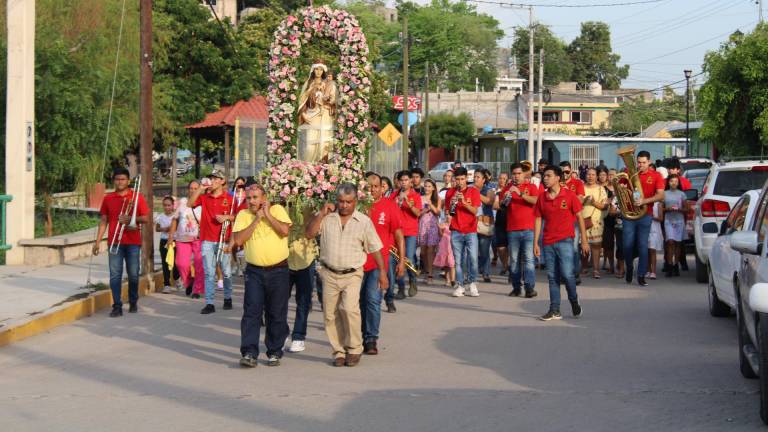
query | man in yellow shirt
[263, 230]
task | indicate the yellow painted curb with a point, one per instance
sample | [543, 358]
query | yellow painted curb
[73, 311]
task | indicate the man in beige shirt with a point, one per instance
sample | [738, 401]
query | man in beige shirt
[347, 236]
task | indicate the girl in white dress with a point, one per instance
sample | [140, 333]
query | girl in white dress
[673, 211]
[655, 240]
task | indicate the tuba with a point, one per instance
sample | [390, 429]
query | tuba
[627, 186]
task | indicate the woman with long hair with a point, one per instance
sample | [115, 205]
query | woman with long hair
[429, 234]
[386, 186]
[673, 211]
[594, 203]
[484, 223]
[609, 223]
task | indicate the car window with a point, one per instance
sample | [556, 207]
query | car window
[735, 183]
[761, 221]
[738, 215]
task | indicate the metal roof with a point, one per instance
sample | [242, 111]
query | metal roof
[253, 109]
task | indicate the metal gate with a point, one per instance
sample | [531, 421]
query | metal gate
[589, 153]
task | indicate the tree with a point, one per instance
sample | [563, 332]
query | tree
[635, 115]
[734, 100]
[447, 130]
[592, 57]
[557, 63]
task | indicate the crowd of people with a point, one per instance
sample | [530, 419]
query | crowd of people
[554, 217]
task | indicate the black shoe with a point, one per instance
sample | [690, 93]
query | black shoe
[684, 265]
[514, 293]
[628, 276]
[487, 279]
[370, 348]
[208, 309]
[551, 315]
[391, 307]
[676, 270]
[412, 289]
[400, 294]
[117, 311]
[531, 294]
[188, 291]
[667, 267]
[273, 360]
[576, 309]
[641, 281]
[503, 272]
[248, 360]
[133, 308]
[195, 296]
[227, 304]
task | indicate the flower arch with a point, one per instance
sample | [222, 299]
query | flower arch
[288, 178]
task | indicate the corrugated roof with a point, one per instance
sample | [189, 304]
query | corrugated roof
[253, 109]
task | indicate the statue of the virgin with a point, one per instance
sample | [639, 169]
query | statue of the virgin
[317, 109]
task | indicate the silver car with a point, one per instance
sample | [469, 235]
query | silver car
[439, 170]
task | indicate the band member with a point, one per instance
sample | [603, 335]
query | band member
[462, 203]
[346, 238]
[575, 185]
[263, 230]
[500, 225]
[518, 199]
[409, 202]
[117, 210]
[635, 232]
[558, 208]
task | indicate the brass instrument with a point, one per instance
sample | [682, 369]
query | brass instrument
[393, 251]
[225, 226]
[128, 207]
[627, 186]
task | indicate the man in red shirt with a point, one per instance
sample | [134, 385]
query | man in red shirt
[575, 185]
[635, 232]
[519, 197]
[558, 208]
[462, 202]
[386, 219]
[409, 202]
[218, 206]
[116, 210]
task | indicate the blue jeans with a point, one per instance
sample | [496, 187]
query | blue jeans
[208, 249]
[521, 243]
[635, 236]
[304, 281]
[460, 244]
[129, 254]
[370, 305]
[484, 254]
[410, 253]
[390, 295]
[267, 292]
[559, 259]
[576, 254]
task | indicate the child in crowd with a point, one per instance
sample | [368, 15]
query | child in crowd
[163, 226]
[655, 240]
[444, 258]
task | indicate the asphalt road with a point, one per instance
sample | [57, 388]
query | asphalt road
[639, 359]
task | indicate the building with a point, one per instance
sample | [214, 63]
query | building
[389, 14]
[223, 9]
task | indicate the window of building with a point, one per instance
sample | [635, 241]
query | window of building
[581, 117]
[547, 116]
[589, 153]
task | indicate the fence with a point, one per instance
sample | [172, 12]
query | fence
[589, 153]
[250, 147]
[383, 158]
[4, 200]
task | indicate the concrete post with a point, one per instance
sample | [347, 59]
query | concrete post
[20, 127]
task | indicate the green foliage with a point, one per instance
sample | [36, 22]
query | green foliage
[557, 63]
[65, 222]
[734, 100]
[447, 130]
[634, 115]
[593, 58]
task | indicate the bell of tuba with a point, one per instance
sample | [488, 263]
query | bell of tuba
[627, 186]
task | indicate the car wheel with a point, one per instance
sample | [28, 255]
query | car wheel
[701, 270]
[743, 337]
[716, 307]
[762, 340]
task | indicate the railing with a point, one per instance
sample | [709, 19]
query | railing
[4, 200]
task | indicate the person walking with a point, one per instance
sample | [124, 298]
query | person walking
[558, 208]
[500, 225]
[463, 202]
[263, 230]
[609, 224]
[429, 234]
[409, 203]
[595, 201]
[685, 184]
[163, 223]
[302, 268]
[519, 199]
[116, 209]
[673, 210]
[185, 232]
[485, 223]
[347, 236]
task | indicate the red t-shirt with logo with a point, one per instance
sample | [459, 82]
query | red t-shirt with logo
[685, 184]
[210, 228]
[576, 186]
[651, 181]
[409, 222]
[111, 206]
[559, 214]
[464, 221]
[520, 212]
[386, 219]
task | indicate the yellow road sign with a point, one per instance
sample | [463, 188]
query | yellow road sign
[390, 134]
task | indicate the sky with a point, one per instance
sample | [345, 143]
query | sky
[658, 40]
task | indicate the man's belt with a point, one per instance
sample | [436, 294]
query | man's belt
[336, 271]
[283, 263]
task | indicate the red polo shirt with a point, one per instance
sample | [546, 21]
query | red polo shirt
[651, 181]
[685, 184]
[111, 206]
[386, 219]
[464, 221]
[576, 186]
[409, 222]
[559, 214]
[520, 212]
[210, 228]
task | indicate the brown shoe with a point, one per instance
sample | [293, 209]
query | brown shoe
[353, 359]
[370, 348]
[339, 361]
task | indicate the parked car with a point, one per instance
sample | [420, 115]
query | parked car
[691, 163]
[437, 172]
[697, 177]
[725, 183]
[471, 168]
[751, 290]
[724, 262]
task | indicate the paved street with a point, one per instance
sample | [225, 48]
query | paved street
[639, 359]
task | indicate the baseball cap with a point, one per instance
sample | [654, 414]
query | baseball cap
[217, 173]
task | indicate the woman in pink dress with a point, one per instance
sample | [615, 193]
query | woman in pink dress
[429, 234]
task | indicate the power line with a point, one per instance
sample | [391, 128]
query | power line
[526, 5]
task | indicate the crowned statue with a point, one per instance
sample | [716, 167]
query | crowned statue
[317, 112]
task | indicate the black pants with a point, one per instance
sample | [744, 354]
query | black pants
[166, 269]
[266, 291]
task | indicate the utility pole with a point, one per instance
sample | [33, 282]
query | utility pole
[530, 85]
[760, 10]
[426, 120]
[687, 73]
[405, 92]
[145, 129]
[541, 107]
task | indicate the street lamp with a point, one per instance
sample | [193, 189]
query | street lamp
[517, 117]
[687, 73]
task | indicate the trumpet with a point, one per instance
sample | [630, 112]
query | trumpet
[129, 206]
[224, 227]
[393, 251]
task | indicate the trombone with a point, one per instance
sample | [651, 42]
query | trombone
[394, 253]
[224, 227]
[127, 207]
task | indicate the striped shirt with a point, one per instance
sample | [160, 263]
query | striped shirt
[347, 247]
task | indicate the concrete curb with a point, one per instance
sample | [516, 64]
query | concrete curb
[74, 310]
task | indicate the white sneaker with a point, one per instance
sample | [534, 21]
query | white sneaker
[473, 290]
[296, 346]
[179, 286]
[459, 291]
[167, 290]
[220, 285]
